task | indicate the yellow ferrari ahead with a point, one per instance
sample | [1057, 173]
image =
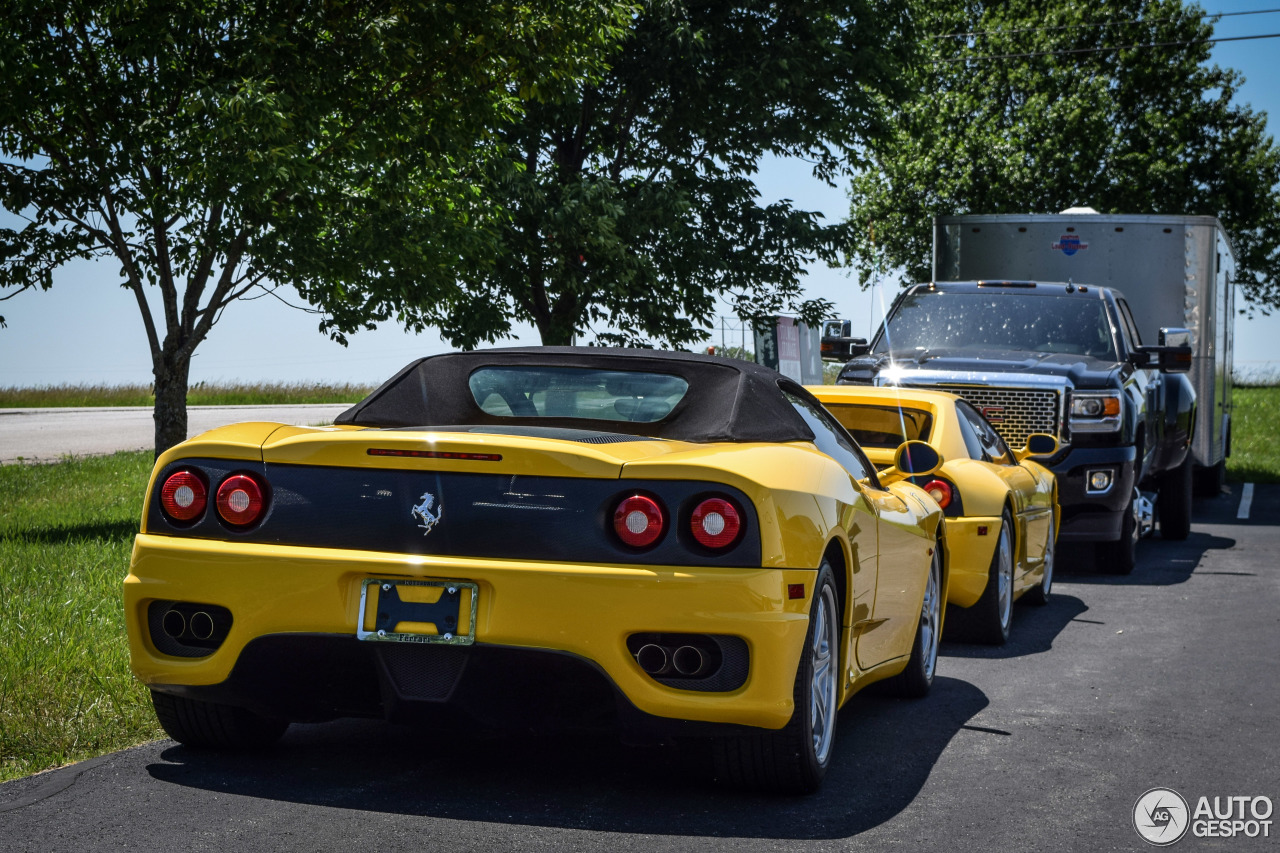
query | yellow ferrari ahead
[667, 543]
[1001, 506]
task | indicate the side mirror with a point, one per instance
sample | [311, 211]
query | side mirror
[1175, 350]
[1038, 444]
[912, 459]
[842, 348]
[1172, 355]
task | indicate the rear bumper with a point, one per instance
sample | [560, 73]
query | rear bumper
[1094, 517]
[291, 647]
[320, 677]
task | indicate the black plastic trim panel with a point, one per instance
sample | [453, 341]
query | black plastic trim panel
[554, 519]
[317, 677]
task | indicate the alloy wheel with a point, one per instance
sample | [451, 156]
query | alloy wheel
[822, 688]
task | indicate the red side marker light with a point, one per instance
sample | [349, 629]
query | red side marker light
[795, 591]
[982, 530]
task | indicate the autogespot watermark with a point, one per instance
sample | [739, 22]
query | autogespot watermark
[1162, 816]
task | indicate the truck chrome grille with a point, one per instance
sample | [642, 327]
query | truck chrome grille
[1014, 412]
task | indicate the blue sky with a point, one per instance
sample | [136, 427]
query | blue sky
[88, 330]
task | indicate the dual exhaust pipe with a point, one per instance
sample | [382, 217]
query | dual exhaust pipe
[176, 625]
[687, 661]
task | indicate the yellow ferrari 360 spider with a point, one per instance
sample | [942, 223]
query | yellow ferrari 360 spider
[672, 543]
[1001, 506]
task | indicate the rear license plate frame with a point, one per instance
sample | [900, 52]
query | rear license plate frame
[457, 637]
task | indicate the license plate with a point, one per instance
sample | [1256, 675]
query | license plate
[414, 611]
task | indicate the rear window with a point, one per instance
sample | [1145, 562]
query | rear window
[882, 426]
[573, 392]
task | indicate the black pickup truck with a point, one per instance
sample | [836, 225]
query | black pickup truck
[1064, 359]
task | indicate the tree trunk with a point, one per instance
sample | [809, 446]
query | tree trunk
[556, 322]
[171, 376]
[555, 334]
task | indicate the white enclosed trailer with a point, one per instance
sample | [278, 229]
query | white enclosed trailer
[1175, 271]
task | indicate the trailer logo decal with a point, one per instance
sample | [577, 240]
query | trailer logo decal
[1069, 244]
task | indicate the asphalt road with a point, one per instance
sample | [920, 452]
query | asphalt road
[46, 435]
[1166, 678]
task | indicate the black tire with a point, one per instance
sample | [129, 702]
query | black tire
[1039, 594]
[793, 759]
[1209, 481]
[206, 725]
[914, 681]
[1119, 557]
[989, 619]
[1174, 502]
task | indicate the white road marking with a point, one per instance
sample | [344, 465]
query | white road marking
[1246, 499]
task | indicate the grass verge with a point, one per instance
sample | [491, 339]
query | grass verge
[1255, 453]
[199, 394]
[66, 692]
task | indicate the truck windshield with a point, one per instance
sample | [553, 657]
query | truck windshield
[932, 321]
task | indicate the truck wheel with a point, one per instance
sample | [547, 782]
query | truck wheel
[212, 726]
[1119, 557]
[1209, 481]
[1174, 502]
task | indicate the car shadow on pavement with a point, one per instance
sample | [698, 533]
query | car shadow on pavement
[1033, 632]
[885, 751]
[1161, 562]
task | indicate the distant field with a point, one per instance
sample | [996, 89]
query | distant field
[200, 394]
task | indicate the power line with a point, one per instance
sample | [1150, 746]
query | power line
[1095, 24]
[1079, 50]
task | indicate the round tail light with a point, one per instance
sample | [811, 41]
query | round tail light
[638, 521]
[183, 496]
[240, 500]
[940, 491]
[715, 523]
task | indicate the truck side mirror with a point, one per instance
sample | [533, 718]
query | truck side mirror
[1173, 355]
[1175, 350]
[841, 348]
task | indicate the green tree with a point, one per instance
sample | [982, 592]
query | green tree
[633, 209]
[1036, 106]
[217, 148]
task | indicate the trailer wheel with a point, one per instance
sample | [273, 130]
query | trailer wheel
[1174, 502]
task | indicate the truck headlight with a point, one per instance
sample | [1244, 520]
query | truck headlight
[1095, 405]
[1095, 412]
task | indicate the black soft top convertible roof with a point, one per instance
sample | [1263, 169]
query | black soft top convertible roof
[727, 399]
